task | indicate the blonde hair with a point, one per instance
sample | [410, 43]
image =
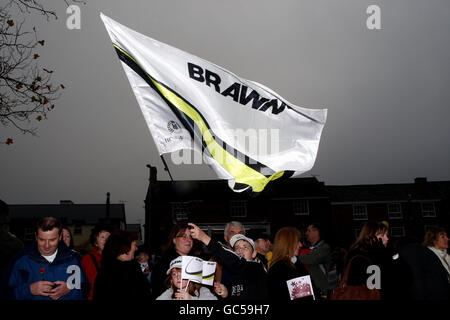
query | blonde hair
[285, 243]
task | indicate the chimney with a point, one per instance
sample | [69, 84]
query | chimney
[420, 180]
[153, 173]
[107, 206]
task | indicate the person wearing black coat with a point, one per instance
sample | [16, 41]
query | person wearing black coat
[180, 243]
[430, 278]
[285, 266]
[371, 248]
[280, 272]
[120, 276]
[248, 275]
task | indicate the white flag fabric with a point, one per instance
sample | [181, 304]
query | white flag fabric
[209, 271]
[247, 133]
[191, 268]
[198, 270]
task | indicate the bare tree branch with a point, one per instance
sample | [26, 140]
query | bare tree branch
[27, 93]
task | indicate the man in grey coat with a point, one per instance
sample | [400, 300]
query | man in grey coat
[318, 260]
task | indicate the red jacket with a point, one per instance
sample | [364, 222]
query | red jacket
[90, 269]
[305, 251]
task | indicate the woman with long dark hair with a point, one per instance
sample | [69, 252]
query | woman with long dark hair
[179, 243]
[370, 249]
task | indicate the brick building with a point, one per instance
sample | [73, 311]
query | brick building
[341, 210]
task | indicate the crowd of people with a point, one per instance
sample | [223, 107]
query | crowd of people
[249, 266]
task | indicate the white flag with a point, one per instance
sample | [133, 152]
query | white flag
[209, 271]
[247, 133]
[191, 268]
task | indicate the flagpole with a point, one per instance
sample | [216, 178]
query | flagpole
[181, 283]
[166, 167]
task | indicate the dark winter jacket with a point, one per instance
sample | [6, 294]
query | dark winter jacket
[248, 278]
[357, 274]
[30, 266]
[279, 273]
[318, 261]
[121, 280]
[393, 275]
[429, 277]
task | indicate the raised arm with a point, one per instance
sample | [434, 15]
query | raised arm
[228, 258]
[199, 234]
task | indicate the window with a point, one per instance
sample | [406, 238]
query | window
[180, 210]
[395, 211]
[359, 212]
[428, 209]
[238, 208]
[300, 207]
[398, 231]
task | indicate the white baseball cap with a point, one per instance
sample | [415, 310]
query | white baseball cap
[175, 263]
[238, 237]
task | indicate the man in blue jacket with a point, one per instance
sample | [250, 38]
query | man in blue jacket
[48, 269]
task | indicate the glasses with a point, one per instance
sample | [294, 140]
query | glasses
[185, 237]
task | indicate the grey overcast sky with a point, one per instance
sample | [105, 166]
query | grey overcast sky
[387, 91]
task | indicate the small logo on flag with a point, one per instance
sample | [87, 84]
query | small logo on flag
[172, 126]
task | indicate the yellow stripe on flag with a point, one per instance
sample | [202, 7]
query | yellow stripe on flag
[243, 173]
